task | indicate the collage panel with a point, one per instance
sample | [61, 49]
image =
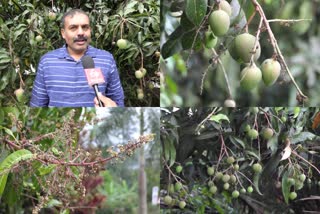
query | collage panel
[240, 160]
[79, 53]
[83, 160]
[239, 53]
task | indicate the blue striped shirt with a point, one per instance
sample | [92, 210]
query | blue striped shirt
[61, 80]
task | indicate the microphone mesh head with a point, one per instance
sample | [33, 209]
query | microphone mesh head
[87, 62]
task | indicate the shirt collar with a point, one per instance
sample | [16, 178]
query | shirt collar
[91, 51]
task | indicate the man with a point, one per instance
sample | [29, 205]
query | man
[61, 79]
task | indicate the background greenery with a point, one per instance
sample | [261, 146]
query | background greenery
[197, 138]
[21, 21]
[113, 188]
[299, 43]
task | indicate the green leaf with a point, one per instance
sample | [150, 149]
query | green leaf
[236, 141]
[9, 162]
[169, 151]
[131, 4]
[9, 132]
[196, 10]
[75, 171]
[171, 84]
[254, 154]
[5, 60]
[172, 153]
[277, 109]
[4, 56]
[296, 112]
[186, 23]
[285, 187]
[256, 179]
[53, 203]
[43, 170]
[189, 40]
[55, 151]
[173, 44]
[217, 118]
[88, 5]
[301, 137]
[128, 11]
[17, 33]
[3, 181]
[67, 211]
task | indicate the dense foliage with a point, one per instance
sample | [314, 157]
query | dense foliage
[240, 160]
[49, 163]
[201, 69]
[30, 29]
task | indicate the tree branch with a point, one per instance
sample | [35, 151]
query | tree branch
[276, 47]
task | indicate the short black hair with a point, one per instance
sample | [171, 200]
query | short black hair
[71, 13]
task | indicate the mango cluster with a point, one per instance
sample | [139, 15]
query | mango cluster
[244, 48]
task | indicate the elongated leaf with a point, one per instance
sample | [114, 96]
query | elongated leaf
[169, 150]
[217, 118]
[14, 158]
[254, 154]
[237, 141]
[196, 10]
[67, 211]
[301, 137]
[186, 23]
[9, 132]
[4, 56]
[256, 180]
[296, 112]
[172, 151]
[285, 187]
[277, 109]
[9, 162]
[189, 40]
[53, 203]
[173, 44]
[18, 33]
[5, 60]
[3, 181]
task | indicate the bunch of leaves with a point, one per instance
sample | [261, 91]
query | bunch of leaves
[198, 138]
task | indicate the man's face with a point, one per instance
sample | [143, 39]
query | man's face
[77, 33]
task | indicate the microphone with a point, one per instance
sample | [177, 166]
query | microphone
[94, 75]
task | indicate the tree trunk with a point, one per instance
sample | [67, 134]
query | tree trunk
[142, 174]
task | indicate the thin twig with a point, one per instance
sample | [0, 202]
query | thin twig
[288, 20]
[224, 73]
[256, 42]
[176, 177]
[12, 144]
[276, 47]
[198, 31]
[207, 118]
[296, 154]
[203, 77]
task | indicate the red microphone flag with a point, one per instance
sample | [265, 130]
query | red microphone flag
[94, 76]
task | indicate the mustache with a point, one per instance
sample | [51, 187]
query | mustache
[82, 38]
